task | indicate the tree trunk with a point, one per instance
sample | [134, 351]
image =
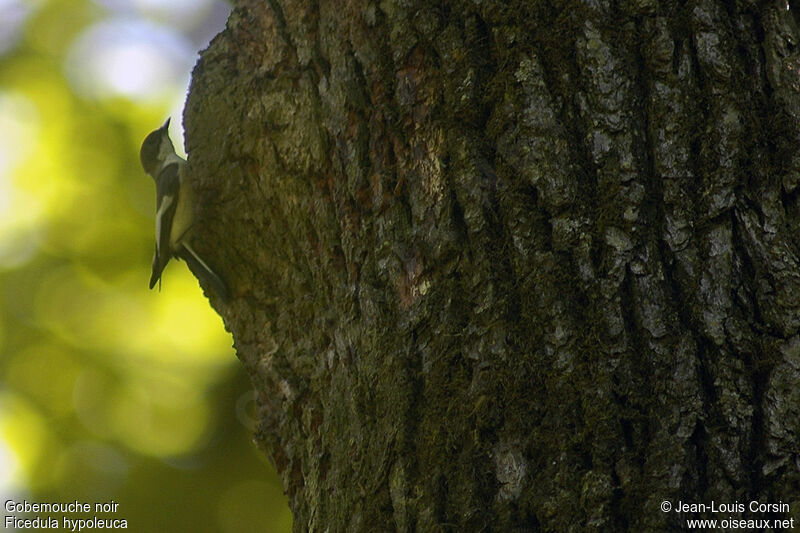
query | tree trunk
[511, 266]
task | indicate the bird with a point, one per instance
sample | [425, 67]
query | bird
[175, 213]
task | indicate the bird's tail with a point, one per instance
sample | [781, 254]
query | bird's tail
[203, 271]
[158, 268]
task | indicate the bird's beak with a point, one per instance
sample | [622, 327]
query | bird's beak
[166, 124]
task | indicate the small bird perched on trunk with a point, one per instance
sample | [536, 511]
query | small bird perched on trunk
[175, 213]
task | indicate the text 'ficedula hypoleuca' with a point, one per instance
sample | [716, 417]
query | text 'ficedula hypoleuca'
[175, 213]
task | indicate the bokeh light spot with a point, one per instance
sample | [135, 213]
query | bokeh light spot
[182, 13]
[20, 211]
[25, 433]
[129, 58]
[10, 472]
[85, 461]
[13, 14]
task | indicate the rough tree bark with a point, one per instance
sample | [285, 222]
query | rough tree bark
[510, 266]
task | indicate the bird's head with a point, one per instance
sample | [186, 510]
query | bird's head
[155, 149]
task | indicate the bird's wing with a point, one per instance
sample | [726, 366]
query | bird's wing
[167, 190]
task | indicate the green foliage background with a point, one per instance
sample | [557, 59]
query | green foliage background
[108, 391]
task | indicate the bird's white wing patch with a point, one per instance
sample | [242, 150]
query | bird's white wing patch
[166, 201]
